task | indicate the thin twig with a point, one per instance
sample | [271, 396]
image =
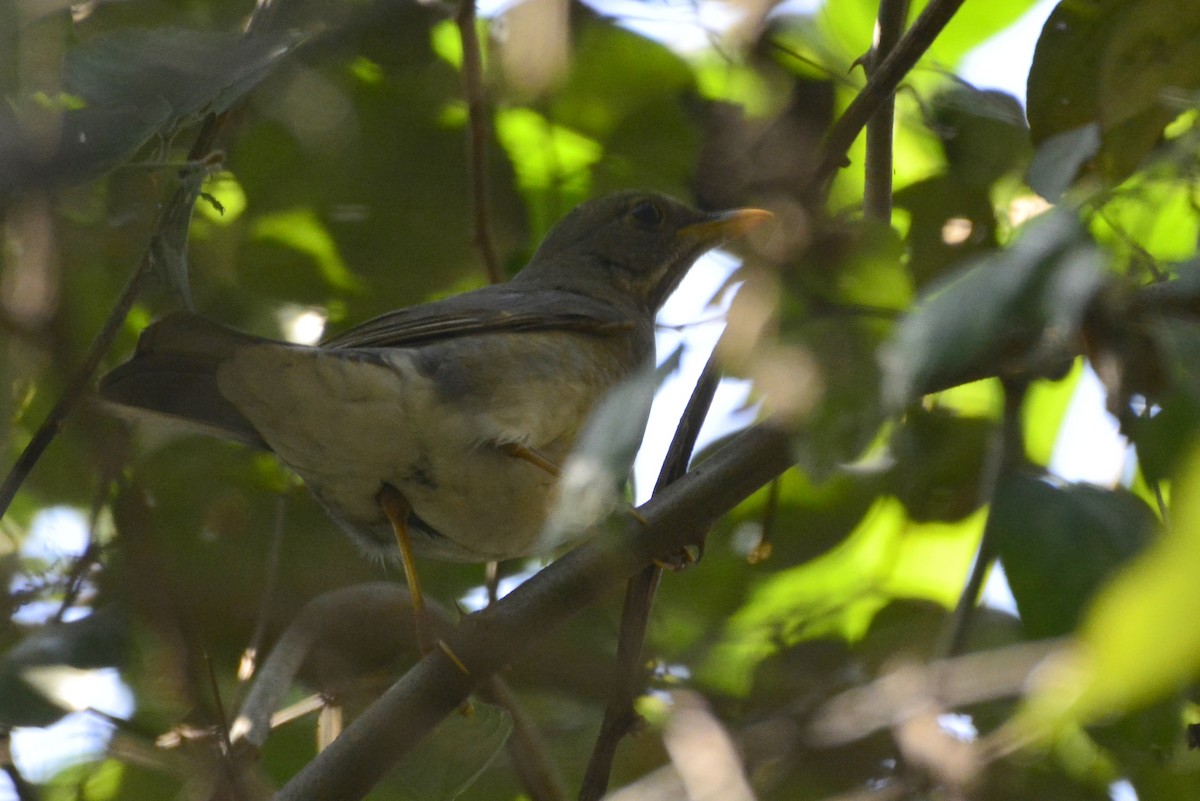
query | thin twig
[1006, 454]
[477, 140]
[619, 715]
[77, 387]
[880, 86]
[89, 556]
[877, 191]
[250, 655]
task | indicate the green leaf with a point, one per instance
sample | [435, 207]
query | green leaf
[887, 556]
[986, 313]
[983, 133]
[1059, 158]
[1138, 641]
[850, 23]
[1059, 544]
[1122, 64]
[443, 765]
[939, 460]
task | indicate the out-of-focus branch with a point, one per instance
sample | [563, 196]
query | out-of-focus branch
[487, 641]
[880, 86]
[877, 192]
[619, 714]
[329, 621]
[477, 140]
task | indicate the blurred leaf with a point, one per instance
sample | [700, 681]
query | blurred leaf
[71, 146]
[32, 672]
[1059, 544]
[888, 556]
[1151, 217]
[939, 460]
[300, 230]
[1117, 63]
[600, 463]
[548, 159]
[982, 131]
[449, 761]
[192, 71]
[1058, 159]
[1042, 284]
[850, 25]
[1164, 435]
[1137, 641]
[950, 221]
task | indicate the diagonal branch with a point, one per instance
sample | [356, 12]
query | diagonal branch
[494, 638]
[880, 87]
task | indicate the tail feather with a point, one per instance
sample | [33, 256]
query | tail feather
[173, 374]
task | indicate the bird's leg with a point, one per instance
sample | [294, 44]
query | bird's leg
[519, 451]
[397, 509]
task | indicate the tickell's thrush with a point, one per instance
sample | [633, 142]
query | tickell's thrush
[442, 424]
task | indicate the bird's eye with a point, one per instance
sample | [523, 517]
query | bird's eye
[648, 213]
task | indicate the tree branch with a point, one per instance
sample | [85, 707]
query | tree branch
[880, 86]
[477, 140]
[639, 599]
[877, 191]
[487, 641]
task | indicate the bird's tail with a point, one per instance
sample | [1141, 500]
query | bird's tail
[173, 375]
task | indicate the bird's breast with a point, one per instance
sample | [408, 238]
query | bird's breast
[431, 421]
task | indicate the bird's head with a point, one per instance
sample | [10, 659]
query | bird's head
[632, 246]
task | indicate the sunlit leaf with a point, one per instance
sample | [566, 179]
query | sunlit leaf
[1138, 640]
[888, 556]
[1043, 412]
[1043, 282]
[302, 231]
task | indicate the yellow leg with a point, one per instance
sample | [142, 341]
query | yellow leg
[397, 509]
[530, 455]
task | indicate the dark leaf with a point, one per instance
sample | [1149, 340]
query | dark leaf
[939, 459]
[192, 71]
[1058, 544]
[1124, 64]
[983, 133]
[27, 698]
[1037, 289]
[1060, 157]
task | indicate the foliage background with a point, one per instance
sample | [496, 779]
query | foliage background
[343, 187]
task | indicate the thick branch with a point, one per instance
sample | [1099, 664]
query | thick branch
[488, 641]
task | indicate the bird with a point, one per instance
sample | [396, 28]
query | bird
[438, 429]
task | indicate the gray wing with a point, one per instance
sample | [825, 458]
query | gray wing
[492, 309]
